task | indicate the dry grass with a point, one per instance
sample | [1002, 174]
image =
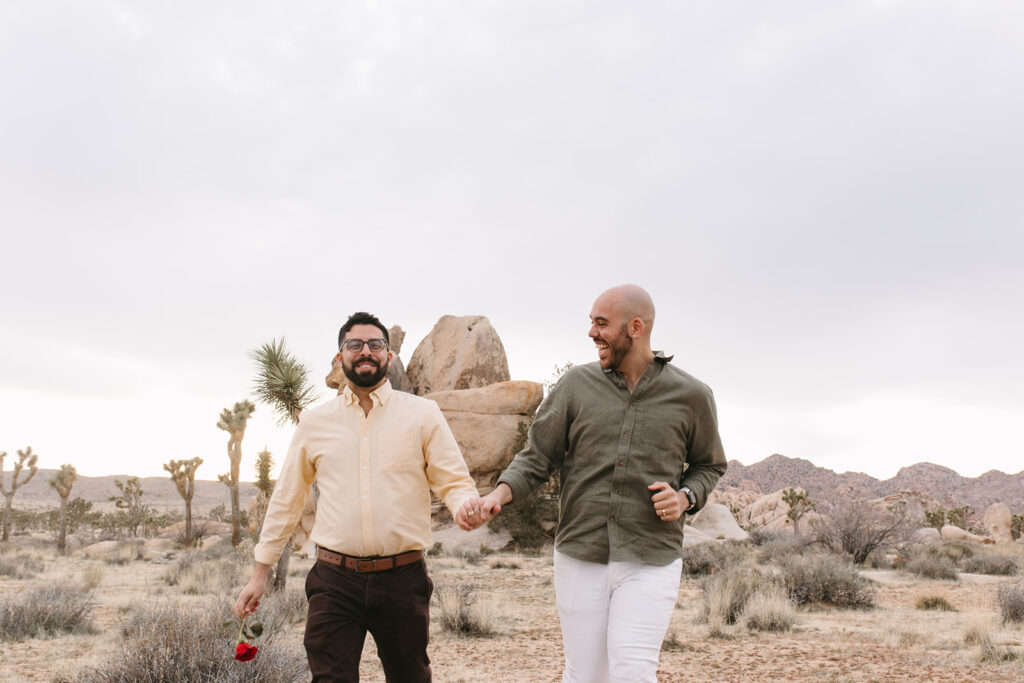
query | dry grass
[1011, 602]
[894, 641]
[175, 643]
[934, 602]
[769, 609]
[46, 612]
[461, 611]
[825, 579]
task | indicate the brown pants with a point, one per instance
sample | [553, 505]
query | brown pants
[393, 605]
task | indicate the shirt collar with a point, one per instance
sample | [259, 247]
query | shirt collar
[381, 395]
[658, 356]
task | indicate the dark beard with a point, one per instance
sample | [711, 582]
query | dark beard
[620, 347]
[366, 380]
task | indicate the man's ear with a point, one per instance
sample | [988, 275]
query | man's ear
[636, 327]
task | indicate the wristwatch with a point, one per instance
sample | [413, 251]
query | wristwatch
[689, 496]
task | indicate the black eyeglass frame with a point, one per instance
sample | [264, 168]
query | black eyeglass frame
[350, 345]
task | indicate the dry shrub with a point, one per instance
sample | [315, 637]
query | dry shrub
[727, 592]
[461, 612]
[990, 563]
[930, 562]
[992, 653]
[769, 609]
[978, 633]
[123, 554]
[775, 545]
[175, 643]
[196, 572]
[848, 526]
[21, 566]
[1011, 602]
[710, 558]
[934, 602]
[505, 564]
[46, 612]
[672, 643]
[92, 576]
[828, 579]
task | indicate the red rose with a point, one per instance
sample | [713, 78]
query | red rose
[244, 652]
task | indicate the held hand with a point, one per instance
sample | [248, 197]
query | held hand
[249, 599]
[476, 511]
[669, 504]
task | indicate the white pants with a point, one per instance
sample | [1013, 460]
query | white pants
[614, 618]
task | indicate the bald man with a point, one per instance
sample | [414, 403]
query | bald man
[636, 442]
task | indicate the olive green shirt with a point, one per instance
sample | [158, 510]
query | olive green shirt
[609, 445]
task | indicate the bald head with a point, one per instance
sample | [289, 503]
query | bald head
[631, 301]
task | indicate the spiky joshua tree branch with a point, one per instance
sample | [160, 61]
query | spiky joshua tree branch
[26, 458]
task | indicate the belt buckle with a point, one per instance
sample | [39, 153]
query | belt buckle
[361, 563]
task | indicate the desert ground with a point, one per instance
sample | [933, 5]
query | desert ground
[512, 595]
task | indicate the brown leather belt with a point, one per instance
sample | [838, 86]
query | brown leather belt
[368, 564]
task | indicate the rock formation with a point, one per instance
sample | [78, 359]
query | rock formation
[955, 533]
[715, 521]
[490, 423]
[997, 522]
[459, 353]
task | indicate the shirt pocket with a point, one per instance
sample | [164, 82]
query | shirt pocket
[400, 451]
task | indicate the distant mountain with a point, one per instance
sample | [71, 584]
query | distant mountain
[951, 489]
[157, 492]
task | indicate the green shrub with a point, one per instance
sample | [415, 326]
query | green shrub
[46, 612]
[525, 520]
[934, 602]
[828, 579]
[1011, 602]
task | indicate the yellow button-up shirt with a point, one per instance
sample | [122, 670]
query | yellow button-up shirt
[374, 471]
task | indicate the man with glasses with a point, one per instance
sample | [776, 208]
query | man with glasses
[376, 454]
[636, 442]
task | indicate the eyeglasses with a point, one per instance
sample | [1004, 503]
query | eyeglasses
[356, 345]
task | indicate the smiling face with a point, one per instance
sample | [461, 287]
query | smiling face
[365, 368]
[610, 331]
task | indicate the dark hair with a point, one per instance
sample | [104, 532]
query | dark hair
[362, 318]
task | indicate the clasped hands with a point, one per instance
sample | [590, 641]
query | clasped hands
[669, 505]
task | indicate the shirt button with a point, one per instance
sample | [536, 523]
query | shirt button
[625, 433]
[612, 518]
[622, 462]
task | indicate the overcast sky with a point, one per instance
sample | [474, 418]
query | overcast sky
[823, 198]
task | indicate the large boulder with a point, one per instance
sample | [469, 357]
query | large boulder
[124, 550]
[768, 511]
[955, 533]
[490, 423]
[716, 521]
[459, 353]
[692, 536]
[998, 521]
[927, 536]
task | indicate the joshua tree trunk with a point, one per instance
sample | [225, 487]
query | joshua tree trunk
[8, 509]
[233, 422]
[62, 534]
[28, 459]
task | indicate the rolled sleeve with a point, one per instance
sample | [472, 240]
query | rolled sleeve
[447, 472]
[287, 500]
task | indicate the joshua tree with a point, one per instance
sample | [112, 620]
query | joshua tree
[26, 458]
[130, 500]
[183, 473]
[233, 422]
[63, 481]
[958, 516]
[283, 382]
[264, 486]
[799, 505]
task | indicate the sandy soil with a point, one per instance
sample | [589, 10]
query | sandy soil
[893, 642]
